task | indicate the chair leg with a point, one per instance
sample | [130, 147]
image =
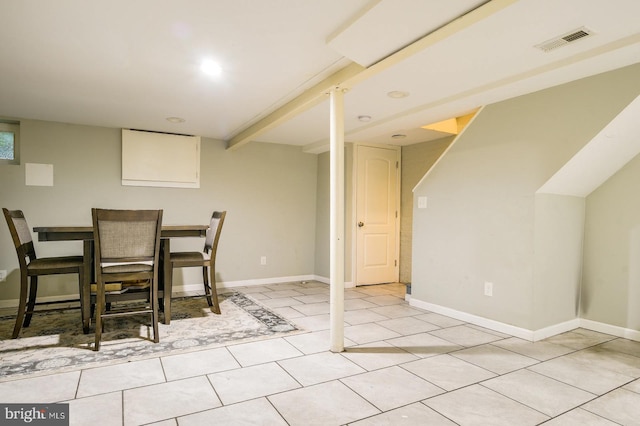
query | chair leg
[85, 303]
[33, 290]
[213, 289]
[99, 310]
[207, 287]
[154, 308]
[167, 273]
[22, 303]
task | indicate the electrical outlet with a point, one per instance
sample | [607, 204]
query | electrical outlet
[263, 260]
[3, 275]
[422, 202]
[488, 288]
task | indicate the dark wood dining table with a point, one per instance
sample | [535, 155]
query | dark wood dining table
[85, 234]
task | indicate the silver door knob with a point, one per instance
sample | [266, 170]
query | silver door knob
[360, 224]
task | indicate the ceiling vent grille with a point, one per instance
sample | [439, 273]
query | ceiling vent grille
[565, 39]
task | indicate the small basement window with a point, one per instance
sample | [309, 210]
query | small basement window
[9, 143]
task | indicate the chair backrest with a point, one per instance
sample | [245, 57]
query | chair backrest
[21, 235]
[213, 233]
[126, 236]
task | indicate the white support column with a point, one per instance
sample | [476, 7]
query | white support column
[336, 293]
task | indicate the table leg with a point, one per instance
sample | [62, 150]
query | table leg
[167, 276]
[85, 296]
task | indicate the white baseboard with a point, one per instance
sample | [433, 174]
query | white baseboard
[555, 329]
[613, 330]
[474, 319]
[327, 280]
[531, 335]
[13, 303]
[195, 289]
[263, 281]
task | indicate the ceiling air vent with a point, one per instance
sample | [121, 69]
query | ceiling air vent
[565, 39]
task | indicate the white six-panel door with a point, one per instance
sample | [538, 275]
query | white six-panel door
[377, 216]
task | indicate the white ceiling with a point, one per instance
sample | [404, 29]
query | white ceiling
[132, 64]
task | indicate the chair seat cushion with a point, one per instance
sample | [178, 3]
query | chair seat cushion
[130, 267]
[190, 256]
[49, 263]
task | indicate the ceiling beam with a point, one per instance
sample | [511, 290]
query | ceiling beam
[353, 74]
[299, 104]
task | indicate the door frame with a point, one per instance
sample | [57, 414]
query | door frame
[352, 220]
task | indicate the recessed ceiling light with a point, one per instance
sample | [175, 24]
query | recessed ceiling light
[398, 136]
[397, 94]
[364, 118]
[175, 119]
[211, 67]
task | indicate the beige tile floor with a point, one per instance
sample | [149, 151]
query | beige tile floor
[402, 366]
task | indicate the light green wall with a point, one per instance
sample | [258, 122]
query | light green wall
[484, 221]
[417, 159]
[557, 268]
[322, 254]
[611, 274]
[323, 200]
[269, 191]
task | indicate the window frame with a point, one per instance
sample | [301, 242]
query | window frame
[12, 127]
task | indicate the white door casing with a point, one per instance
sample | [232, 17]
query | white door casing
[377, 214]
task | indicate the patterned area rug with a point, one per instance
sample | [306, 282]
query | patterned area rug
[54, 341]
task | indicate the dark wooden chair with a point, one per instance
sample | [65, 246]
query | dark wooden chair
[206, 259]
[31, 267]
[127, 247]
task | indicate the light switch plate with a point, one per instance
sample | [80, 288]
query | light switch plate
[422, 202]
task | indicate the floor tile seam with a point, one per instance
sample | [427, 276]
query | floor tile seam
[254, 398]
[171, 417]
[527, 368]
[461, 345]
[480, 383]
[528, 356]
[595, 396]
[438, 412]
[440, 327]
[616, 351]
[496, 375]
[447, 392]
[359, 345]
[200, 411]
[444, 391]
[522, 403]
[216, 393]
[586, 347]
[75, 394]
[631, 379]
[276, 408]
[382, 411]
[301, 313]
[323, 381]
[631, 390]
[300, 386]
[371, 310]
[271, 297]
[453, 353]
[104, 392]
[582, 406]
[401, 334]
[585, 363]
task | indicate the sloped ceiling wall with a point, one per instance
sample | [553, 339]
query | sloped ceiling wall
[480, 222]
